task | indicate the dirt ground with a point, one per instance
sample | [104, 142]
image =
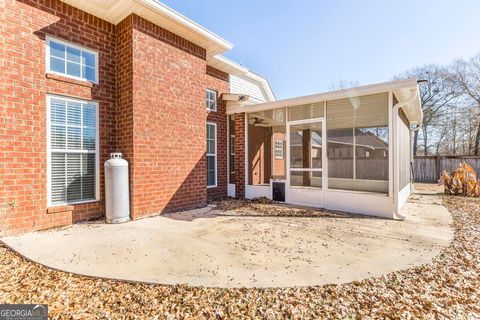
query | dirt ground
[428, 188]
[446, 288]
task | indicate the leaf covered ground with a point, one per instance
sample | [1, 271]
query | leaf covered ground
[447, 288]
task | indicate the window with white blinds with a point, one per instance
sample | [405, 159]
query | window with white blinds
[73, 149]
[211, 155]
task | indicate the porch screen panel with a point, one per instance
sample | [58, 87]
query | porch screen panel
[306, 155]
[340, 117]
[358, 143]
[264, 129]
[405, 149]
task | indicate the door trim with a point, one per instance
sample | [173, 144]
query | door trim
[322, 190]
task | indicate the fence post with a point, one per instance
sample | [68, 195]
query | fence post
[439, 170]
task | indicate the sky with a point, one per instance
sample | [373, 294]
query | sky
[307, 46]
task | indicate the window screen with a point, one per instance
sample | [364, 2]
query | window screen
[357, 136]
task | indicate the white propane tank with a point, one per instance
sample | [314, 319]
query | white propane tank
[117, 199]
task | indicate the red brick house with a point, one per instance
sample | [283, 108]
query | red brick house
[82, 79]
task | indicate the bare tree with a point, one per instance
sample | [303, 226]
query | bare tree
[435, 94]
[467, 76]
[344, 84]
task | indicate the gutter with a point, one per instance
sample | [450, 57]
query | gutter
[396, 178]
[187, 23]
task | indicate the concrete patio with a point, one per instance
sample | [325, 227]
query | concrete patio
[203, 248]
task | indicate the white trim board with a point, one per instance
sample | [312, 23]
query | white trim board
[258, 191]
[231, 190]
[404, 195]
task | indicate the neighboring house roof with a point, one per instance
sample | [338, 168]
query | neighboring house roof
[343, 136]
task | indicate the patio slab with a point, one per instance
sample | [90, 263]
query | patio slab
[204, 249]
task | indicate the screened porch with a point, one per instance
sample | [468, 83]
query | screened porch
[332, 150]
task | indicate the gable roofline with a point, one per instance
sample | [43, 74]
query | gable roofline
[231, 67]
[114, 11]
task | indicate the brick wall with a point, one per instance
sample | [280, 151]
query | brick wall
[23, 155]
[169, 135]
[259, 155]
[218, 81]
[240, 155]
[124, 95]
[278, 169]
[151, 91]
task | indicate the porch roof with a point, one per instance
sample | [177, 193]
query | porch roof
[406, 91]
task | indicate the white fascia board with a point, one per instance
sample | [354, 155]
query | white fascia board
[226, 65]
[410, 83]
[264, 83]
[186, 22]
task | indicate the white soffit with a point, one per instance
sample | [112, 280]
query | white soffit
[114, 11]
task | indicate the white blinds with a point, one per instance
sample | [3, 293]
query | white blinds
[211, 155]
[307, 111]
[359, 112]
[73, 151]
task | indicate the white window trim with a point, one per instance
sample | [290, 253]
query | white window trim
[48, 39]
[275, 149]
[49, 151]
[215, 101]
[216, 157]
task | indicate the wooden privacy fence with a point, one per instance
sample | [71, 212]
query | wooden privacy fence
[366, 168]
[429, 168]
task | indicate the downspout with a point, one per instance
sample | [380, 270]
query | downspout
[396, 173]
[412, 159]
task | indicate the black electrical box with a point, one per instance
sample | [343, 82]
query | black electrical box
[278, 189]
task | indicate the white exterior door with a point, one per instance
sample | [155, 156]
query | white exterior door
[306, 162]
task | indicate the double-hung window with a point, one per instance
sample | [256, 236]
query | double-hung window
[232, 153]
[279, 149]
[211, 100]
[73, 150]
[71, 60]
[211, 155]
